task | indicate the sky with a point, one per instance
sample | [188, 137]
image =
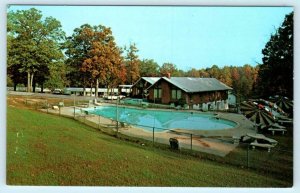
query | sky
[187, 36]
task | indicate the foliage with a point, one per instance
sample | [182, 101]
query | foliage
[57, 76]
[33, 44]
[104, 61]
[169, 68]
[76, 48]
[94, 57]
[193, 73]
[241, 79]
[132, 64]
[149, 68]
[276, 73]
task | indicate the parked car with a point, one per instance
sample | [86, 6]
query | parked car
[57, 91]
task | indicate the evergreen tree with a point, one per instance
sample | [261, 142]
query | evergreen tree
[132, 64]
[275, 75]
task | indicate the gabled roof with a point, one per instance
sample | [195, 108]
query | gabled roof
[191, 85]
[151, 80]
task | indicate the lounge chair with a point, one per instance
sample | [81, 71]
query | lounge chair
[261, 141]
[262, 137]
[285, 121]
[276, 125]
[276, 129]
[264, 145]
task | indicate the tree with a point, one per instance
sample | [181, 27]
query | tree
[149, 68]
[275, 75]
[168, 68]
[104, 61]
[57, 76]
[225, 76]
[33, 43]
[132, 64]
[203, 73]
[77, 49]
[193, 73]
[214, 71]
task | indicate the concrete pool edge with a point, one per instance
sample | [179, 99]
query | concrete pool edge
[208, 141]
[207, 120]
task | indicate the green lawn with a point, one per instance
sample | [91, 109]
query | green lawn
[44, 149]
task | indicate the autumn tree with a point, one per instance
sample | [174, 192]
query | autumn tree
[77, 49]
[275, 75]
[235, 76]
[225, 76]
[241, 78]
[214, 71]
[33, 44]
[132, 64]
[193, 73]
[104, 61]
[203, 73]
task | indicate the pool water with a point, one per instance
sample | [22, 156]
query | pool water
[163, 120]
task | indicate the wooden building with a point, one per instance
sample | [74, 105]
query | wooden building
[196, 93]
[140, 88]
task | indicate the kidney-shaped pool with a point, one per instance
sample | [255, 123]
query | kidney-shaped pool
[163, 120]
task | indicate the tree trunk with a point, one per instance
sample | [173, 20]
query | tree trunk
[31, 82]
[33, 87]
[96, 89]
[91, 93]
[28, 82]
[15, 86]
[42, 87]
[84, 92]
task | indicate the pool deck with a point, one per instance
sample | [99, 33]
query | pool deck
[218, 142]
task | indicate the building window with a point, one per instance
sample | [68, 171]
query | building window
[176, 94]
[157, 93]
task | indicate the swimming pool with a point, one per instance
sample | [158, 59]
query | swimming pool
[163, 120]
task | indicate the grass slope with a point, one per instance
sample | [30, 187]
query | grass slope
[44, 149]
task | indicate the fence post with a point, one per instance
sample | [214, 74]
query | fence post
[247, 155]
[99, 122]
[47, 106]
[191, 141]
[74, 104]
[153, 135]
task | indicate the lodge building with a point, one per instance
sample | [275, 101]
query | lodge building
[194, 92]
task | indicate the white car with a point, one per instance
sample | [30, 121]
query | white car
[57, 91]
